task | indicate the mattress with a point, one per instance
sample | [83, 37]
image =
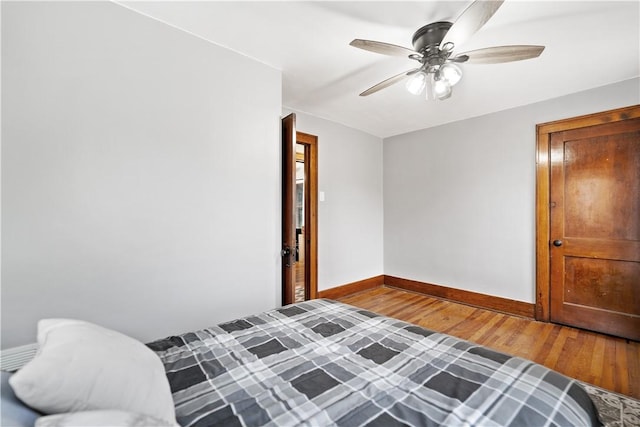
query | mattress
[322, 363]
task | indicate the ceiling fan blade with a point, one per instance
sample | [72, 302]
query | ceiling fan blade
[498, 54]
[388, 82]
[470, 21]
[383, 48]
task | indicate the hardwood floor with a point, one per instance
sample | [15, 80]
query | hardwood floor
[604, 361]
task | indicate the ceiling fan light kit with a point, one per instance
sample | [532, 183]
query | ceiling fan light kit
[433, 47]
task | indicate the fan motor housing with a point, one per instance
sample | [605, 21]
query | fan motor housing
[430, 35]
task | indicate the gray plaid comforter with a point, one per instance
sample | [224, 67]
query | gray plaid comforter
[322, 363]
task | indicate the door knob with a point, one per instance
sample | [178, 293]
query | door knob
[288, 255]
[557, 243]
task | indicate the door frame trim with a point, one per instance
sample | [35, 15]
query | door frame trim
[543, 182]
[311, 214]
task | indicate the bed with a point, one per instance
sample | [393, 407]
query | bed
[321, 363]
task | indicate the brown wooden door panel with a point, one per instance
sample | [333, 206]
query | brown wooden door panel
[288, 208]
[601, 248]
[612, 323]
[595, 227]
[600, 188]
[601, 283]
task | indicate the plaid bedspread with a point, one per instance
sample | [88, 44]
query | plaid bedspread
[322, 363]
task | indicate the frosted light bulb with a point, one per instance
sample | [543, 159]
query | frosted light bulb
[416, 83]
[442, 89]
[451, 73]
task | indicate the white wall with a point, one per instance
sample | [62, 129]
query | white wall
[459, 199]
[134, 157]
[350, 246]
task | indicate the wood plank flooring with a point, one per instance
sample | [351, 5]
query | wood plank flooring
[604, 361]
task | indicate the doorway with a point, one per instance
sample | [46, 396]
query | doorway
[306, 216]
[299, 214]
[588, 222]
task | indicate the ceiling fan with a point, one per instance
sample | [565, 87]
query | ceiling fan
[433, 48]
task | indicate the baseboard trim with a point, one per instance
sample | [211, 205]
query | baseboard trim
[352, 288]
[489, 302]
[475, 299]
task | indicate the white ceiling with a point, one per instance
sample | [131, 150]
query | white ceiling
[588, 44]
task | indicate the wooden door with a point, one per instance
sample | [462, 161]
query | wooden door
[594, 218]
[288, 209]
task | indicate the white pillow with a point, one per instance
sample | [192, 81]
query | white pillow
[81, 366]
[102, 419]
